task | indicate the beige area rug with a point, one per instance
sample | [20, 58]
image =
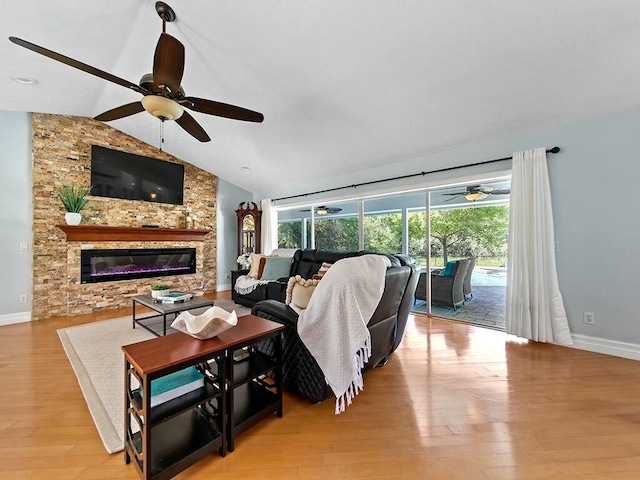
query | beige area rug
[98, 362]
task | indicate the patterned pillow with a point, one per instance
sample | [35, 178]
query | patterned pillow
[324, 268]
[299, 291]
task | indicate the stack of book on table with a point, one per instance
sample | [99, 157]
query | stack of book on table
[174, 297]
[175, 385]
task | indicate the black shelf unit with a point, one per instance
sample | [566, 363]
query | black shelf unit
[255, 390]
[237, 394]
[179, 443]
[180, 431]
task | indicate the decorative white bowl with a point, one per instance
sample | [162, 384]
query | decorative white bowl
[209, 324]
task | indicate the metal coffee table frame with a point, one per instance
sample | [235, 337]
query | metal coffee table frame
[165, 309]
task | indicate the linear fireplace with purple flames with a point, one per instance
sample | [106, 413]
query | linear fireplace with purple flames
[123, 264]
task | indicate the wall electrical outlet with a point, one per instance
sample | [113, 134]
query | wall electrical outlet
[589, 318]
[24, 246]
[23, 299]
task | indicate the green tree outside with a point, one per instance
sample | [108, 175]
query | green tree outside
[290, 234]
[383, 233]
[337, 234]
[471, 231]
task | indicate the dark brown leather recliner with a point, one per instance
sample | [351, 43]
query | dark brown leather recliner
[301, 373]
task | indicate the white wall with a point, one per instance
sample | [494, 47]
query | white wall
[15, 216]
[229, 197]
[594, 183]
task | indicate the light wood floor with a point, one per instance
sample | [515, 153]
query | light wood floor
[454, 402]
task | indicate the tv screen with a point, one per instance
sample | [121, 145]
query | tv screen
[117, 174]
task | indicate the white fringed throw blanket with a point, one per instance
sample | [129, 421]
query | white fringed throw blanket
[334, 325]
[245, 284]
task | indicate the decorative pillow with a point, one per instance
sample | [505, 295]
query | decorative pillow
[276, 267]
[255, 265]
[448, 269]
[299, 291]
[263, 262]
[324, 268]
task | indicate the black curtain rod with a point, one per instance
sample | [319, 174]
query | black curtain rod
[355, 185]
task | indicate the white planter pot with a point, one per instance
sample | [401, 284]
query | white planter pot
[158, 293]
[72, 218]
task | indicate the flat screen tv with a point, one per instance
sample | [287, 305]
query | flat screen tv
[117, 174]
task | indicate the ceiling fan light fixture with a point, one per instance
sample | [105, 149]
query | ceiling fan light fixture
[474, 196]
[162, 107]
[321, 211]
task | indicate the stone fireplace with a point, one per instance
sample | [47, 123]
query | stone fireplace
[62, 155]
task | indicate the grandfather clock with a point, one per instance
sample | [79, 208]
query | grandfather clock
[248, 228]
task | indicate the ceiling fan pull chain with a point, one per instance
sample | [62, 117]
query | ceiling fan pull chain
[161, 133]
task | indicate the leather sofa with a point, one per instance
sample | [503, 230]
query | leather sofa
[301, 373]
[304, 263]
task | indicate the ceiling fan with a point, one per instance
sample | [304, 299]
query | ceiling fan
[477, 192]
[322, 210]
[163, 95]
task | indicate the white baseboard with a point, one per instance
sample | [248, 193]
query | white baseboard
[608, 347]
[12, 318]
[223, 288]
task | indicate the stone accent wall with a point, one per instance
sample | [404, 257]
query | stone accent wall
[62, 155]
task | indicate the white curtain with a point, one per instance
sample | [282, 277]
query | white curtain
[269, 227]
[534, 304]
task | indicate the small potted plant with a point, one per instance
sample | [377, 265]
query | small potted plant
[159, 289]
[74, 198]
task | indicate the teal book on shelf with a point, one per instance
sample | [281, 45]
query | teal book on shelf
[175, 384]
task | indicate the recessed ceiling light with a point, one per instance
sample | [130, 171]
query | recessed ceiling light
[246, 169]
[24, 80]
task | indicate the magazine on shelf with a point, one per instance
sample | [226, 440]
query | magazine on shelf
[172, 297]
[175, 385]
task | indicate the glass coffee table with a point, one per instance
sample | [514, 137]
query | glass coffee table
[164, 309]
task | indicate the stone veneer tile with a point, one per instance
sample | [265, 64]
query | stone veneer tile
[62, 155]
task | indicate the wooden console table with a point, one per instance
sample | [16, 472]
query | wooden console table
[237, 394]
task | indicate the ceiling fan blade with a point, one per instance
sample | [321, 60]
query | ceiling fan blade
[192, 127]
[210, 107]
[456, 193]
[168, 62]
[76, 64]
[500, 192]
[453, 198]
[120, 112]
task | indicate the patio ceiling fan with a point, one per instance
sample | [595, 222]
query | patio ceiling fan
[162, 92]
[323, 210]
[474, 193]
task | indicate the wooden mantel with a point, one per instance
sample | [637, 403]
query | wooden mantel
[96, 233]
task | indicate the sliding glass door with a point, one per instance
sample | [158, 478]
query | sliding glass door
[466, 222]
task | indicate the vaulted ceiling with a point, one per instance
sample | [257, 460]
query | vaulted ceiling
[342, 85]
